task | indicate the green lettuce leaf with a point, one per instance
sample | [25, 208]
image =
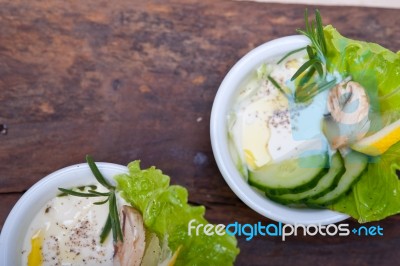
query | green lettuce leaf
[376, 68]
[166, 212]
[377, 194]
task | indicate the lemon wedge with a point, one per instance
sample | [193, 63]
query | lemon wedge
[379, 142]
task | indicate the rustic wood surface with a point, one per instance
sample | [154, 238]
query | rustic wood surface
[125, 80]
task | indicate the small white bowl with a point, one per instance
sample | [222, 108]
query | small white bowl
[20, 217]
[219, 137]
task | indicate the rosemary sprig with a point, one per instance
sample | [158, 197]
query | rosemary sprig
[96, 172]
[317, 50]
[315, 32]
[98, 193]
[290, 53]
[76, 193]
[309, 64]
[114, 217]
[112, 222]
[308, 88]
[106, 230]
[276, 85]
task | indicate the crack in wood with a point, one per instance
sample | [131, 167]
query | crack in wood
[3, 129]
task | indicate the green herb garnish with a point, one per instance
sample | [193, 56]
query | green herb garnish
[290, 53]
[310, 85]
[315, 32]
[276, 84]
[112, 223]
[306, 93]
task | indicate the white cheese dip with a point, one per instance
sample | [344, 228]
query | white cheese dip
[265, 125]
[66, 231]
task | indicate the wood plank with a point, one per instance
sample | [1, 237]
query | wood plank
[133, 80]
[361, 3]
[114, 80]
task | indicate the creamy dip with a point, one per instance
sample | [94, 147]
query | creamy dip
[66, 231]
[265, 126]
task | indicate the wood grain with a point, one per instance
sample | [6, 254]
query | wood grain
[133, 80]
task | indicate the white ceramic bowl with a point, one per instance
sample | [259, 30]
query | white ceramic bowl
[219, 137]
[16, 225]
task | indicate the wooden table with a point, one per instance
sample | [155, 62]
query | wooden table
[136, 80]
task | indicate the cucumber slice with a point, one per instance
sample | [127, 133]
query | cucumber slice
[290, 176]
[324, 185]
[355, 164]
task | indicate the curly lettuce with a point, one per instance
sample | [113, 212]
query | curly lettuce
[376, 68]
[166, 212]
[377, 194]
